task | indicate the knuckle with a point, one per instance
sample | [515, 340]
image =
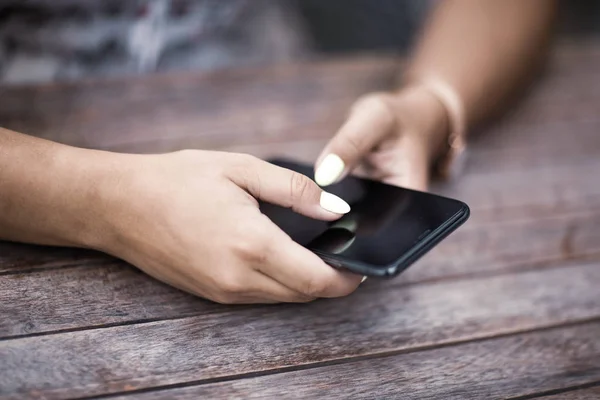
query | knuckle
[252, 247]
[316, 287]
[239, 163]
[299, 186]
[231, 285]
[252, 182]
[244, 172]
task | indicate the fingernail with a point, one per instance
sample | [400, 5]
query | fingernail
[333, 203]
[329, 170]
[363, 279]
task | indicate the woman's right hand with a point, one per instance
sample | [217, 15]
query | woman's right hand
[191, 219]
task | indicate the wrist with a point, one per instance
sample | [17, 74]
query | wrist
[97, 183]
[57, 195]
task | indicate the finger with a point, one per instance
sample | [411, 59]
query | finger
[416, 181]
[407, 165]
[371, 119]
[269, 289]
[303, 271]
[250, 297]
[288, 189]
[188, 282]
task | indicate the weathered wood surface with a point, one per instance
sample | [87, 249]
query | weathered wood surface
[507, 307]
[236, 342]
[244, 107]
[592, 393]
[508, 367]
[109, 292]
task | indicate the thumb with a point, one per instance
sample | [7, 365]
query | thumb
[286, 188]
[371, 119]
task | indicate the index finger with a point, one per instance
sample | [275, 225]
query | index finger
[370, 120]
[287, 188]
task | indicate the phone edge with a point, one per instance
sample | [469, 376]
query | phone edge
[409, 258]
[430, 241]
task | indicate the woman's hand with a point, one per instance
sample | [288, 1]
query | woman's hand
[191, 219]
[390, 137]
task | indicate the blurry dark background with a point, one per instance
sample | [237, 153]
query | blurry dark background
[56, 40]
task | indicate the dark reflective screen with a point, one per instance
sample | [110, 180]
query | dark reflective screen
[385, 221]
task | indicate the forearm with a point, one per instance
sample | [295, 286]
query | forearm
[483, 49]
[51, 193]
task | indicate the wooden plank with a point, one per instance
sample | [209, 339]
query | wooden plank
[308, 100]
[502, 190]
[583, 394]
[73, 298]
[507, 144]
[510, 146]
[510, 245]
[115, 293]
[510, 367]
[257, 104]
[15, 257]
[193, 349]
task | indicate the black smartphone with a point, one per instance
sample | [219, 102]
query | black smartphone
[387, 229]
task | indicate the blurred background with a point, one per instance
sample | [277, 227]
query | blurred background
[66, 40]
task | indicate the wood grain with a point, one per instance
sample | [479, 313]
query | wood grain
[508, 306]
[15, 257]
[195, 110]
[308, 100]
[91, 296]
[124, 358]
[495, 191]
[508, 147]
[583, 394]
[493, 369]
[115, 293]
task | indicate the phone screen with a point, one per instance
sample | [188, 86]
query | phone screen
[385, 221]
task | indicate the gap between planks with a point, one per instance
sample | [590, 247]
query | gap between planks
[353, 359]
[515, 269]
[552, 393]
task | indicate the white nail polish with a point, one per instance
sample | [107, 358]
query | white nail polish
[333, 203]
[364, 278]
[329, 170]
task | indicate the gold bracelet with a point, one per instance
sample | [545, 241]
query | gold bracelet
[451, 163]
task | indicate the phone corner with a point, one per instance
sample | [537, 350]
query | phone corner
[391, 271]
[466, 210]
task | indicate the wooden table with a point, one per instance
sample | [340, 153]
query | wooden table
[507, 307]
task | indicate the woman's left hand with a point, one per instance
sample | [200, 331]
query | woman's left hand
[390, 137]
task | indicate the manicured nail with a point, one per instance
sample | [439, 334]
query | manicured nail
[363, 279]
[333, 203]
[329, 170]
